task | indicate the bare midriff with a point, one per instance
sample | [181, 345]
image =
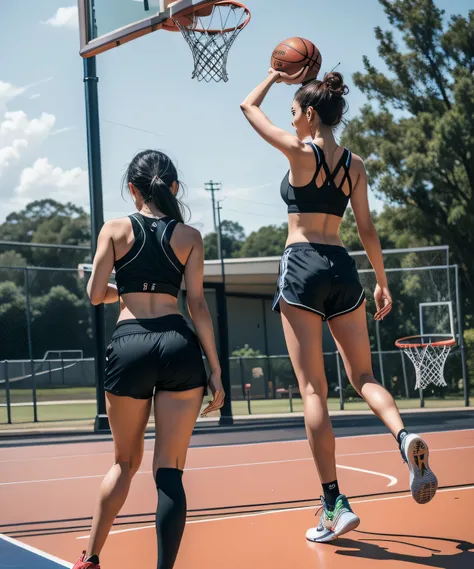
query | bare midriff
[146, 305]
[314, 228]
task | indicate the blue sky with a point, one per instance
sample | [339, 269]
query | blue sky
[147, 85]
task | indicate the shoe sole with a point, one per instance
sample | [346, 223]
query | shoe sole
[423, 482]
[346, 523]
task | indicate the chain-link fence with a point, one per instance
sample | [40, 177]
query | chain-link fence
[47, 350]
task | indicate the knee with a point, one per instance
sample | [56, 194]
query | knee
[129, 464]
[315, 387]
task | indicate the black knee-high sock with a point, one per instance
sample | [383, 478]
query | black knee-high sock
[170, 515]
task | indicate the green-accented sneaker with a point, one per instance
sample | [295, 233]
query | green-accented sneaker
[333, 524]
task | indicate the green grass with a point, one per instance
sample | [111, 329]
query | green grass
[82, 411]
[49, 394]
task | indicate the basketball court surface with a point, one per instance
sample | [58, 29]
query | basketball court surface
[249, 505]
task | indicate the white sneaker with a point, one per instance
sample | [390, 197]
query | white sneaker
[423, 482]
[333, 523]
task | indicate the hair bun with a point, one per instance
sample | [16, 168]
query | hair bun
[335, 84]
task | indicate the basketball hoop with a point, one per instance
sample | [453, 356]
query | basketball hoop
[210, 30]
[428, 352]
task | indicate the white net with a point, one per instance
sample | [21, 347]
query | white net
[211, 36]
[429, 363]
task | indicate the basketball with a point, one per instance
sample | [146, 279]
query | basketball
[291, 55]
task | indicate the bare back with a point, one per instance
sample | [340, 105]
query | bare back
[320, 227]
[143, 304]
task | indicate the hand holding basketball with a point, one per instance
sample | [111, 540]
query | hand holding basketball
[294, 79]
[298, 59]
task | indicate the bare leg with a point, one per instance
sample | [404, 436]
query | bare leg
[128, 418]
[303, 335]
[175, 417]
[352, 339]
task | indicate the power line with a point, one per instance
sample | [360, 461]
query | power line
[253, 201]
[257, 214]
[134, 128]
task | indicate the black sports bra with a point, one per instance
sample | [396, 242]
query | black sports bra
[150, 265]
[328, 198]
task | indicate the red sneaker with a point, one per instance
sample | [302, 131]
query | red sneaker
[81, 563]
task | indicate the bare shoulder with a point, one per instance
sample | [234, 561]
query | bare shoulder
[358, 172]
[187, 236]
[115, 227]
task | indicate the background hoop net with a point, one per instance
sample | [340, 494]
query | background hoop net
[428, 355]
[210, 34]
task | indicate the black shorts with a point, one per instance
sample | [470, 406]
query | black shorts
[161, 354]
[319, 278]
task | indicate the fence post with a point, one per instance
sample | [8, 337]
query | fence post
[290, 397]
[339, 379]
[405, 379]
[30, 344]
[461, 338]
[7, 394]
[379, 349]
[241, 367]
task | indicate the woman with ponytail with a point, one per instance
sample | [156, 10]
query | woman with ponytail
[153, 355]
[318, 281]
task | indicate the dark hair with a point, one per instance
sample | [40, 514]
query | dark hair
[326, 97]
[152, 173]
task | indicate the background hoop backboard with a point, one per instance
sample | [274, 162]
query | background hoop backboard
[106, 24]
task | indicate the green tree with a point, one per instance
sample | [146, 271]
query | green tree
[233, 236]
[268, 241]
[13, 338]
[418, 141]
[60, 321]
[12, 259]
[48, 221]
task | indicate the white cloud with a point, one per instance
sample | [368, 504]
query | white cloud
[44, 175]
[25, 174]
[35, 96]
[64, 18]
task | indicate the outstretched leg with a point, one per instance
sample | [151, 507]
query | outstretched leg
[352, 339]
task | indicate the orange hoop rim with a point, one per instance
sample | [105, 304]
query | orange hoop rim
[401, 342]
[171, 26]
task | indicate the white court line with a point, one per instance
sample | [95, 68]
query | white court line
[194, 449]
[223, 466]
[35, 551]
[392, 479]
[284, 511]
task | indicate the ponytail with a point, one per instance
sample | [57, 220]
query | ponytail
[153, 173]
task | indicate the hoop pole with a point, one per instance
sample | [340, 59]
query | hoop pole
[461, 337]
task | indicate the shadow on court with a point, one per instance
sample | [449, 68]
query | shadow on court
[380, 547]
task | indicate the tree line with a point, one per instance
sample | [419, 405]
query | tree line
[415, 134]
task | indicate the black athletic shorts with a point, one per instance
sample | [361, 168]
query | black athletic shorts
[319, 278]
[161, 354]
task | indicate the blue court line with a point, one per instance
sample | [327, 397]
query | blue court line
[17, 555]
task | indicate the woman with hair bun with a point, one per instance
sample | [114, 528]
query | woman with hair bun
[318, 281]
[153, 356]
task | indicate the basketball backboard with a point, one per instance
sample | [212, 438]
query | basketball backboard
[105, 24]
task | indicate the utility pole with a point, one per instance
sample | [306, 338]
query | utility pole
[213, 187]
[219, 243]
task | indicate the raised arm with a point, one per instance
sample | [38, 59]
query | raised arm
[369, 238]
[277, 137]
[98, 288]
[199, 311]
